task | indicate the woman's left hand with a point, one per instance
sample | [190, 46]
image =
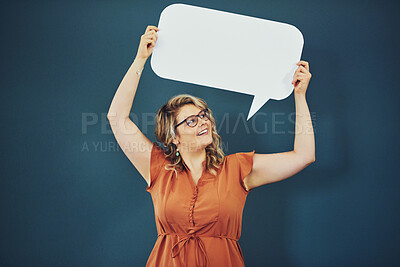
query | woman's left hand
[301, 77]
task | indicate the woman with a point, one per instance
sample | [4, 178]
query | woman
[199, 193]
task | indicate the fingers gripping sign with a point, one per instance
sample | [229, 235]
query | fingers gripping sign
[147, 42]
[301, 77]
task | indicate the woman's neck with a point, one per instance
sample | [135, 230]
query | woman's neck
[194, 160]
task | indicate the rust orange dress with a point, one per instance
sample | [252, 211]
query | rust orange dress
[198, 225]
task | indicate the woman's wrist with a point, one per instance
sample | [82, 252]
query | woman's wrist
[138, 65]
[139, 61]
[300, 94]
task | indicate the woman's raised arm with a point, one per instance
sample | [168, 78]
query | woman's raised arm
[270, 168]
[136, 146]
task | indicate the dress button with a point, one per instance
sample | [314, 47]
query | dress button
[190, 215]
[190, 208]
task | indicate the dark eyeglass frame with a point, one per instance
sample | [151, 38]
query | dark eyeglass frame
[195, 118]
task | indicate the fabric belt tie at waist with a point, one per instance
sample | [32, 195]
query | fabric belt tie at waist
[185, 238]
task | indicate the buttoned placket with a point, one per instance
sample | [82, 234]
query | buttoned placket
[195, 191]
[191, 207]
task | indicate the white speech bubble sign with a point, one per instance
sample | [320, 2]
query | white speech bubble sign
[227, 51]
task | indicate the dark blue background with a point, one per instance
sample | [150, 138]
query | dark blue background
[64, 204]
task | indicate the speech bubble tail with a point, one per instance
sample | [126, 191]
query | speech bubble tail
[258, 102]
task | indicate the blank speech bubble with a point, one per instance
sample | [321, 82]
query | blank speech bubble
[227, 51]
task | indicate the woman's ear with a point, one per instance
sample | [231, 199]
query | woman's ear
[176, 138]
[175, 141]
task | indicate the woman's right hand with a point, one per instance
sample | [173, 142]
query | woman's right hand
[147, 42]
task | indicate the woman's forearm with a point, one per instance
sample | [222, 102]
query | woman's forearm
[123, 99]
[304, 143]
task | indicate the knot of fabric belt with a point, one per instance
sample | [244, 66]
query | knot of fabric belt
[181, 243]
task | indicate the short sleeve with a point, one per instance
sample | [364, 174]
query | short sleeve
[245, 164]
[157, 160]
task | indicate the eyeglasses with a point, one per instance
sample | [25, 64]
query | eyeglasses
[191, 121]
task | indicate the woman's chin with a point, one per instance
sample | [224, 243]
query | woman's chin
[207, 142]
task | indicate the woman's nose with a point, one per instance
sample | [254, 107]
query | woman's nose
[202, 121]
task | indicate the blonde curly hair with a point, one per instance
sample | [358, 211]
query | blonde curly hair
[165, 133]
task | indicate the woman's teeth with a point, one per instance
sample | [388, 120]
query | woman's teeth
[203, 132]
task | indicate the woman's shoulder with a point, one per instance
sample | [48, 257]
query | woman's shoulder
[229, 157]
[158, 154]
[229, 160]
[239, 158]
[236, 155]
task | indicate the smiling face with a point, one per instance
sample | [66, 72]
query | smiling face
[188, 138]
